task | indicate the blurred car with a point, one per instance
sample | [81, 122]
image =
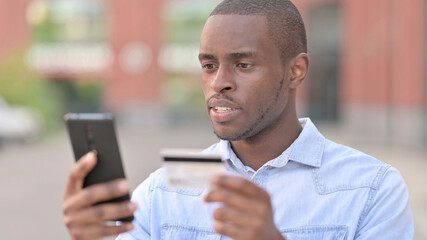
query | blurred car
[19, 124]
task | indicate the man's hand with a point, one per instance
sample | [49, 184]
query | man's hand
[85, 221]
[246, 212]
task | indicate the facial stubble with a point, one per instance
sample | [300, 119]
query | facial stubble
[257, 127]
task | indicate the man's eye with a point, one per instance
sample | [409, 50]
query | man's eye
[243, 65]
[208, 66]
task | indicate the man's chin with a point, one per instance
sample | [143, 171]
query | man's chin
[228, 136]
[236, 134]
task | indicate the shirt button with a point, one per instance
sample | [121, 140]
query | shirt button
[257, 182]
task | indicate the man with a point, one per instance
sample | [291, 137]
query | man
[288, 181]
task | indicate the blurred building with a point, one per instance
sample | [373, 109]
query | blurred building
[14, 29]
[368, 58]
[368, 69]
[114, 41]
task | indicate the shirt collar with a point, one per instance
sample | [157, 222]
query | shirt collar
[307, 149]
[228, 154]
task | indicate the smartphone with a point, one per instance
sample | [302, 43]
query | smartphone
[95, 131]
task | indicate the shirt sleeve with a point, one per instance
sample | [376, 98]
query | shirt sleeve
[142, 197]
[387, 214]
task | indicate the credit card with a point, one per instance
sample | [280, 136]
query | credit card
[187, 168]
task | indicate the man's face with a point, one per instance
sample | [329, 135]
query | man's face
[243, 76]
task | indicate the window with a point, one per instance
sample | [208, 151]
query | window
[324, 33]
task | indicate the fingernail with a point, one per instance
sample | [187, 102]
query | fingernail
[129, 226]
[132, 206]
[215, 179]
[123, 186]
[206, 196]
[92, 154]
[90, 157]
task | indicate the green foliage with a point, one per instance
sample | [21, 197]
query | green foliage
[71, 21]
[46, 32]
[80, 95]
[21, 86]
[185, 97]
[185, 20]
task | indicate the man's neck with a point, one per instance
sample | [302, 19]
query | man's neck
[267, 145]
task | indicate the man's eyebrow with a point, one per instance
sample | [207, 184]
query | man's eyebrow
[242, 55]
[203, 56]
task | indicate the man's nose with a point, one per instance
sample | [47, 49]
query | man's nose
[223, 81]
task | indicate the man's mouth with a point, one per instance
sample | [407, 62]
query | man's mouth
[224, 114]
[223, 109]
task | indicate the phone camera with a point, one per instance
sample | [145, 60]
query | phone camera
[90, 137]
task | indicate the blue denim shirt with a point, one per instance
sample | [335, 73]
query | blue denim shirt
[319, 190]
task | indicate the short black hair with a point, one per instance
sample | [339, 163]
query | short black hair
[285, 24]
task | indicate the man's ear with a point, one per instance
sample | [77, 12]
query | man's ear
[298, 67]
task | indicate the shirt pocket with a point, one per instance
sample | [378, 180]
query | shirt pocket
[316, 233]
[180, 232]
